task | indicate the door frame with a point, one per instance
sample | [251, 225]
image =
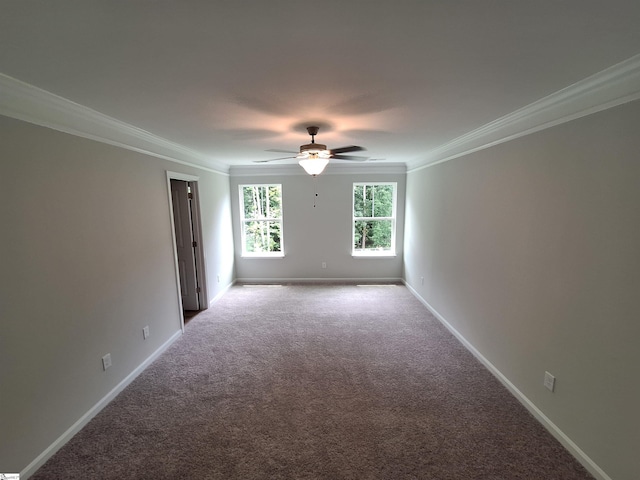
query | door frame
[203, 296]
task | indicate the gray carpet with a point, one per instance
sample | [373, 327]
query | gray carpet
[314, 382]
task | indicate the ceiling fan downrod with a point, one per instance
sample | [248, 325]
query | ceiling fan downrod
[313, 131]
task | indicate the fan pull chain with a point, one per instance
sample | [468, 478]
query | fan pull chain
[315, 189]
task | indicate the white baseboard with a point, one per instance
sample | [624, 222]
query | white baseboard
[320, 280]
[82, 421]
[576, 451]
[220, 294]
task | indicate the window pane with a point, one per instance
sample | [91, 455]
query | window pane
[275, 201]
[358, 201]
[362, 201]
[368, 200]
[372, 235]
[262, 201]
[262, 236]
[373, 200]
[382, 200]
[253, 204]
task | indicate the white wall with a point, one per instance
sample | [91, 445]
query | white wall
[320, 234]
[87, 261]
[531, 250]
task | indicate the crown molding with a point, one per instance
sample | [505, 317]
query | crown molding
[33, 105]
[360, 168]
[611, 87]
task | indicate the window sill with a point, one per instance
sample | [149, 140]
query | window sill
[262, 255]
[373, 255]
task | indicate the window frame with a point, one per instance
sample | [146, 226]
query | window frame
[391, 252]
[244, 221]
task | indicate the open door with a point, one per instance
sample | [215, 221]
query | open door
[186, 243]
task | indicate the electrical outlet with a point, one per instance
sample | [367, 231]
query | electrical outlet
[421, 280]
[106, 361]
[145, 332]
[549, 381]
[218, 277]
[324, 264]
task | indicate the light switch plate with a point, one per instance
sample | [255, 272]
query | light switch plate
[106, 361]
[549, 381]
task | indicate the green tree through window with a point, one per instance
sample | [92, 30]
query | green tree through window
[374, 218]
[261, 211]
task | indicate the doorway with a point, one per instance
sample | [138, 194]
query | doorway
[188, 252]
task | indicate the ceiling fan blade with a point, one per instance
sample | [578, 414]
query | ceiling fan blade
[350, 148]
[349, 157]
[279, 150]
[272, 160]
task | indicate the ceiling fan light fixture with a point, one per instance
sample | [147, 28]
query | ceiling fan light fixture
[313, 164]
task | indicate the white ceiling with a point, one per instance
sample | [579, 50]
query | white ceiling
[233, 79]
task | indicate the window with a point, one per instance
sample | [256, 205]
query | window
[261, 220]
[374, 219]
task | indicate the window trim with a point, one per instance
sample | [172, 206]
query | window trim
[243, 221]
[392, 252]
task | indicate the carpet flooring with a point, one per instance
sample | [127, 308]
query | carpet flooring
[314, 382]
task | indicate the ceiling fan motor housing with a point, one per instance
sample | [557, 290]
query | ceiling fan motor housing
[313, 148]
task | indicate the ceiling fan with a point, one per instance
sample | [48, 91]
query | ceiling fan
[314, 157]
